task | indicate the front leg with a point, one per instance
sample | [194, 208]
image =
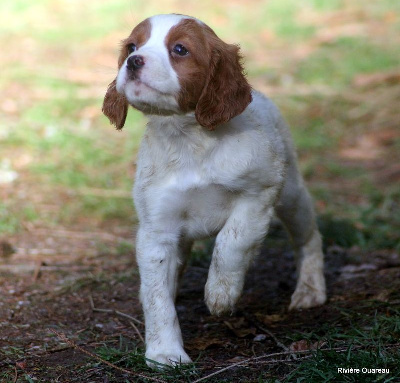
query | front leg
[235, 246]
[157, 256]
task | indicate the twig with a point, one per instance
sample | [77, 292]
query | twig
[276, 340]
[278, 343]
[276, 361]
[239, 364]
[38, 268]
[257, 359]
[137, 331]
[79, 234]
[15, 374]
[116, 312]
[74, 345]
[59, 349]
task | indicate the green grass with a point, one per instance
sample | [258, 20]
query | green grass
[315, 135]
[372, 226]
[131, 357]
[363, 339]
[336, 64]
[9, 354]
[8, 222]
[380, 221]
[280, 16]
[75, 22]
[12, 215]
[323, 367]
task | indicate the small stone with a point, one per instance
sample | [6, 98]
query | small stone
[259, 338]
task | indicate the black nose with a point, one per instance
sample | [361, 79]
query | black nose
[135, 62]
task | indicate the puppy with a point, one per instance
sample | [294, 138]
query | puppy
[216, 160]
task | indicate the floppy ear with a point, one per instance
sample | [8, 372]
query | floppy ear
[115, 106]
[226, 93]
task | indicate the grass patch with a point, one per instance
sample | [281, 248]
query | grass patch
[281, 17]
[9, 354]
[77, 158]
[380, 221]
[9, 223]
[367, 340]
[315, 135]
[372, 226]
[341, 232]
[61, 20]
[337, 64]
[323, 367]
[131, 357]
[13, 215]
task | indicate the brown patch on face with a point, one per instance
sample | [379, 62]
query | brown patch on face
[139, 36]
[115, 105]
[191, 69]
[211, 75]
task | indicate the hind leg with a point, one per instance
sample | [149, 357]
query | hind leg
[185, 247]
[296, 211]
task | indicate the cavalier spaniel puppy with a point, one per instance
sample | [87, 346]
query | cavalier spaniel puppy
[216, 160]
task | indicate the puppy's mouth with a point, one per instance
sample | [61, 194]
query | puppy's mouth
[139, 88]
[140, 85]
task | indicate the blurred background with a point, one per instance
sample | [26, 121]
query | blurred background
[332, 66]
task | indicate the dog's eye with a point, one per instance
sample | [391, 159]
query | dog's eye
[131, 48]
[180, 50]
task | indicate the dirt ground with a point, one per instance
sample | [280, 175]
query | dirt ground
[59, 294]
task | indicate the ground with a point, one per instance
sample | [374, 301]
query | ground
[69, 307]
[40, 301]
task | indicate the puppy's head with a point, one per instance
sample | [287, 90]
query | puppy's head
[173, 64]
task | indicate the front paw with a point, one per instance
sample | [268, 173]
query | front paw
[221, 294]
[308, 295]
[159, 359]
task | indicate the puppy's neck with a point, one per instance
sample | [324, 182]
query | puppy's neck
[174, 125]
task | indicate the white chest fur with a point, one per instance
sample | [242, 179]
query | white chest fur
[189, 179]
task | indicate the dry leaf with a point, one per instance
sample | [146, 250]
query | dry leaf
[300, 345]
[21, 365]
[268, 319]
[238, 330]
[201, 344]
[305, 345]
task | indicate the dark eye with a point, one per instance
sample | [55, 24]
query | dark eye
[180, 50]
[131, 48]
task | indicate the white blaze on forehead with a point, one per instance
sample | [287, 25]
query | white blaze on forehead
[159, 72]
[160, 27]
[162, 24]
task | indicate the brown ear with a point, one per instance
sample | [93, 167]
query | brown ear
[115, 106]
[226, 93]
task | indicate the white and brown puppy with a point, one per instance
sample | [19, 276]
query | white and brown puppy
[216, 159]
